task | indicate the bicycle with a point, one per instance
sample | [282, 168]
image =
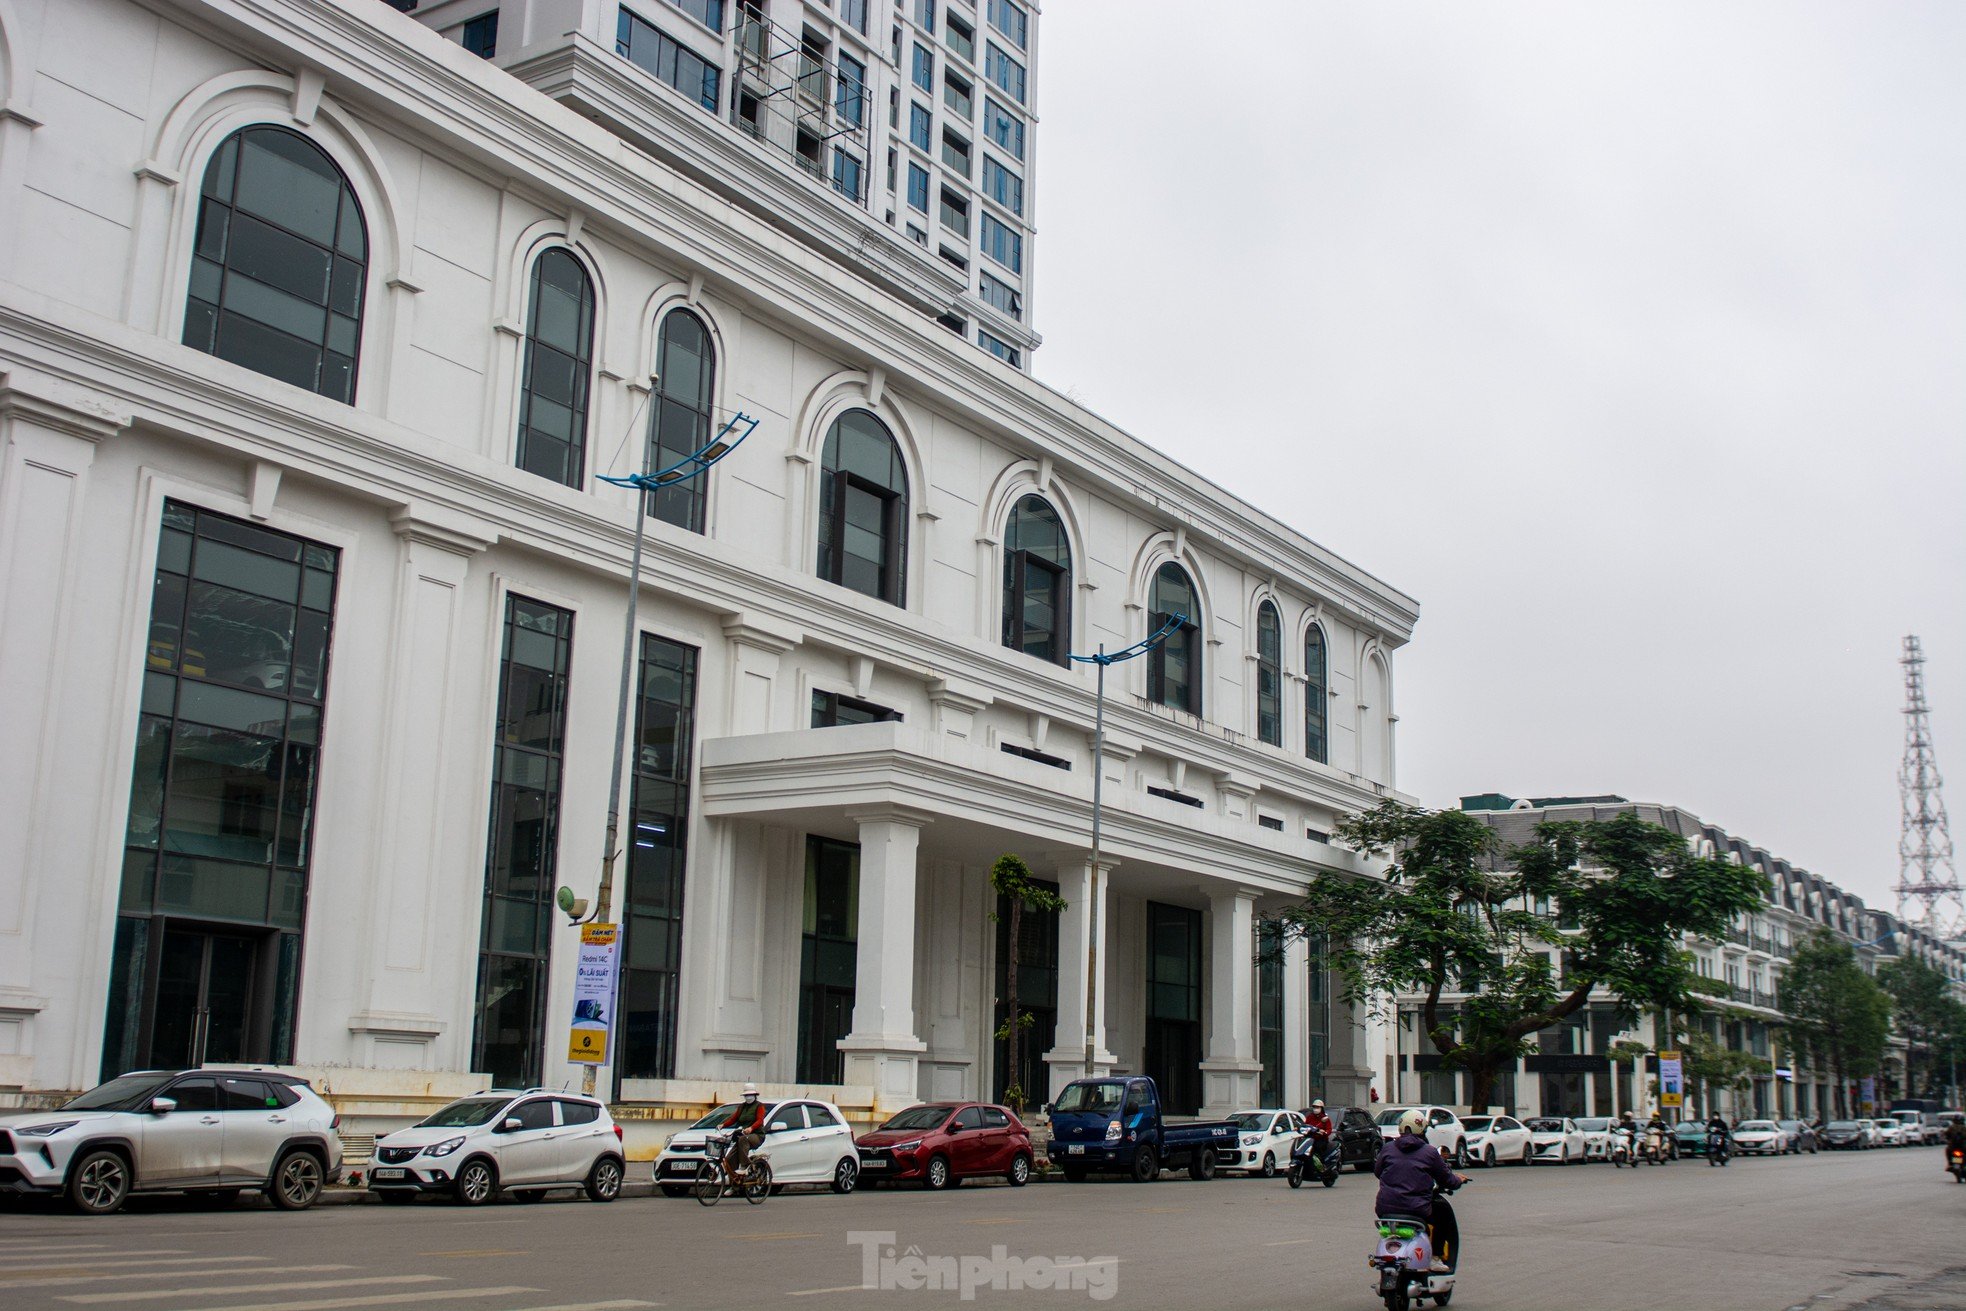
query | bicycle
[714, 1180]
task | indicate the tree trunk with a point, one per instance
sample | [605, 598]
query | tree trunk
[1481, 1087]
[1014, 1046]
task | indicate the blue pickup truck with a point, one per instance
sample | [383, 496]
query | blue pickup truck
[1114, 1126]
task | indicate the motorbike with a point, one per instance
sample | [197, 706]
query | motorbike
[1720, 1148]
[1624, 1148]
[1956, 1162]
[1404, 1257]
[1655, 1145]
[1313, 1156]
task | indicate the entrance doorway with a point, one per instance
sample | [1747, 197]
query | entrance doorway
[828, 958]
[1173, 1046]
[204, 999]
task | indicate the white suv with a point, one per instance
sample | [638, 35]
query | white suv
[212, 1132]
[1444, 1130]
[527, 1143]
[807, 1142]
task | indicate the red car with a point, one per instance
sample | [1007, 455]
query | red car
[943, 1143]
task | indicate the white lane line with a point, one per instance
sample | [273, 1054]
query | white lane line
[296, 1286]
[618, 1304]
[816, 1292]
[142, 1251]
[382, 1299]
[1293, 1242]
[254, 1272]
[84, 1264]
[14, 1249]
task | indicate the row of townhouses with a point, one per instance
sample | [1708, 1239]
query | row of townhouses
[318, 321]
[1573, 1071]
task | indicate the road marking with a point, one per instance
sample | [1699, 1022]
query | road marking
[93, 1265]
[815, 1292]
[480, 1251]
[766, 1238]
[252, 1273]
[381, 1299]
[11, 1248]
[142, 1251]
[618, 1304]
[296, 1286]
[1293, 1242]
[1164, 1210]
[1006, 1220]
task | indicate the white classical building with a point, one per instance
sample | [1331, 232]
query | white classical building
[316, 328]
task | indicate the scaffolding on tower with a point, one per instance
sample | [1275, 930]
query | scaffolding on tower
[1928, 885]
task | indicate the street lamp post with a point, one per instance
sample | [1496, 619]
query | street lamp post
[697, 462]
[1099, 660]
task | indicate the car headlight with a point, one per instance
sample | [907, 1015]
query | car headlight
[914, 1146]
[445, 1148]
[1251, 1139]
[1112, 1131]
[45, 1130]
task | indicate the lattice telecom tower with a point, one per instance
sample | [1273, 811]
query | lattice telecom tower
[1928, 886]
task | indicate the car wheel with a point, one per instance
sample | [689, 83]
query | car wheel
[604, 1180]
[936, 1177]
[1460, 1153]
[100, 1182]
[476, 1184]
[1269, 1166]
[1529, 1156]
[675, 1190]
[1020, 1171]
[1202, 1167]
[1146, 1166]
[297, 1181]
[1074, 1174]
[1563, 1157]
[846, 1174]
[1361, 1167]
[1488, 1157]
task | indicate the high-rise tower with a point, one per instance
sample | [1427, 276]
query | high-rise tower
[1928, 886]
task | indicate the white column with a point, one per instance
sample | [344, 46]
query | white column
[1297, 1089]
[1230, 1071]
[882, 1051]
[1084, 891]
[415, 1017]
[57, 889]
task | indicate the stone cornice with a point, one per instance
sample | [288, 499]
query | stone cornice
[476, 112]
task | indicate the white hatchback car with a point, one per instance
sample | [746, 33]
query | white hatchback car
[526, 1143]
[1443, 1130]
[1498, 1140]
[1559, 1139]
[806, 1141]
[213, 1132]
[1597, 1137]
[1759, 1138]
[1263, 1141]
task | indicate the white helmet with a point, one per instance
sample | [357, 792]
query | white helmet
[1317, 1104]
[750, 1091]
[1414, 1121]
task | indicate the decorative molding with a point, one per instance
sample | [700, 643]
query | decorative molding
[749, 628]
[445, 529]
[263, 484]
[398, 1023]
[151, 171]
[309, 83]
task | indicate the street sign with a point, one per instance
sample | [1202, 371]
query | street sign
[1672, 1081]
[593, 994]
[1867, 1095]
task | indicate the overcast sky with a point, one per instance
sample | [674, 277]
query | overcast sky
[1628, 337]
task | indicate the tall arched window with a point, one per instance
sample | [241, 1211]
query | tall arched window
[280, 264]
[1037, 582]
[559, 353]
[1269, 674]
[863, 508]
[1174, 667]
[1317, 741]
[686, 375]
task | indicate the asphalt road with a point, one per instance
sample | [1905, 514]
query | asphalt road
[1878, 1228]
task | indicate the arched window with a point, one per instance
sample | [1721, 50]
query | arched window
[1317, 741]
[1269, 674]
[863, 508]
[686, 375]
[1037, 582]
[1174, 667]
[559, 351]
[281, 262]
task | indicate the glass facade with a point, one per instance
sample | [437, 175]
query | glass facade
[1037, 996]
[1269, 675]
[828, 957]
[863, 508]
[1173, 1046]
[685, 399]
[521, 852]
[1037, 582]
[217, 848]
[559, 353]
[1269, 1012]
[649, 47]
[1002, 244]
[1317, 742]
[658, 851]
[1174, 667]
[280, 263]
[1004, 128]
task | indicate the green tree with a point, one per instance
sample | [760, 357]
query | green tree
[1923, 1007]
[1836, 1012]
[1012, 880]
[1443, 920]
[1710, 1065]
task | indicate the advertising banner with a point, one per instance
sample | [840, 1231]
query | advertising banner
[593, 994]
[1672, 1081]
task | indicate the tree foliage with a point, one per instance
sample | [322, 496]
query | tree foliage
[1928, 1017]
[1710, 1064]
[1444, 921]
[1836, 1012]
[1011, 878]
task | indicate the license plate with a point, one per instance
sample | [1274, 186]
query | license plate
[873, 1165]
[1076, 1149]
[388, 1174]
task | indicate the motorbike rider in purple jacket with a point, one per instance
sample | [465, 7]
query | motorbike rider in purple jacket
[1409, 1169]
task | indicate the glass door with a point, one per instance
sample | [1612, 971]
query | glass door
[204, 999]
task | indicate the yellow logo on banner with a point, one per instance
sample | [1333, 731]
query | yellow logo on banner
[588, 1046]
[1671, 1081]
